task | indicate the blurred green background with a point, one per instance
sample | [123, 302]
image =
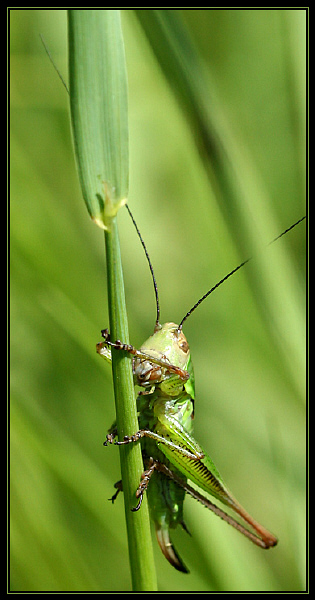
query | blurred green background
[250, 407]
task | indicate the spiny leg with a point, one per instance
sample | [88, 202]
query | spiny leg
[264, 539]
[143, 485]
[128, 439]
[145, 478]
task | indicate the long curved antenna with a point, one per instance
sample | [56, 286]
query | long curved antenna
[286, 230]
[210, 292]
[157, 323]
[231, 273]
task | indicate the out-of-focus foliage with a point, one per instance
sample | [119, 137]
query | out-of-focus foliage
[249, 411]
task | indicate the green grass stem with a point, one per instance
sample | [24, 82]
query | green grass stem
[139, 537]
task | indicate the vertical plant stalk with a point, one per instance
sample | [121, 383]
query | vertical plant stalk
[138, 526]
[99, 116]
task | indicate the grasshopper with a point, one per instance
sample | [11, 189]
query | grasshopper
[163, 367]
[172, 456]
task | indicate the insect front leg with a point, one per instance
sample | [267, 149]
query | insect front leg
[102, 348]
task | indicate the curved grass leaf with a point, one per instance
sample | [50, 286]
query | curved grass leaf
[99, 111]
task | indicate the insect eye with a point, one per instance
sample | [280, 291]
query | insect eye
[184, 346]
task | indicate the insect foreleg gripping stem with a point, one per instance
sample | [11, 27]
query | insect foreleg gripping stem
[118, 344]
[163, 362]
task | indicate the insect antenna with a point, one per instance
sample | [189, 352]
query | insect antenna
[53, 64]
[157, 323]
[286, 230]
[232, 273]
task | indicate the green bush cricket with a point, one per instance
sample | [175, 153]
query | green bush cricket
[171, 455]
